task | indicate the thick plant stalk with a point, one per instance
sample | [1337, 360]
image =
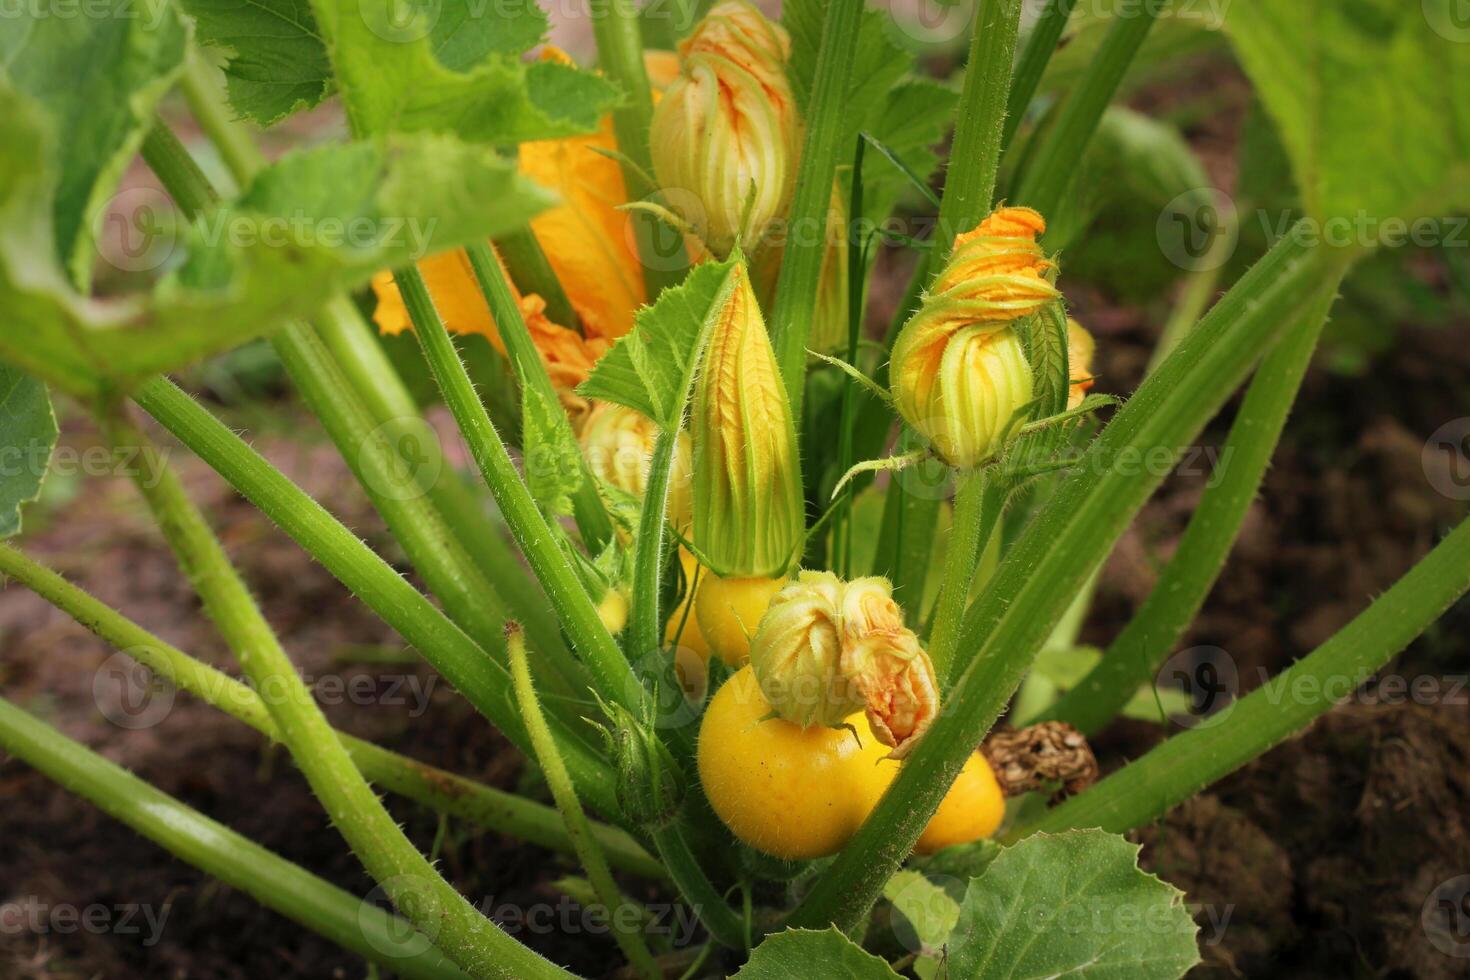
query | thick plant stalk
[587, 506]
[481, 805]
[220, 852]
[1032, 67]
[1145, 642]
[406, 876]
[979, 504]
[1052, 167]
[599, 651]
[1007, 625]
[483, 681]
[1187, 763]
[974, 161]
[630, 941]
[801, 263]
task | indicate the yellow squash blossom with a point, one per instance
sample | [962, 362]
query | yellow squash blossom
[1080, 348]
[960, 372]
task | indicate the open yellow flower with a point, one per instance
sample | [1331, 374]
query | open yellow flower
[960, 372]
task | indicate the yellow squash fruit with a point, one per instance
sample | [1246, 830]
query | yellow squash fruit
[729, 611]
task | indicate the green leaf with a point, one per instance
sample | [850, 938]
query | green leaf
[1371, 97]
[401, 71]
[312, 224]
[807, 953]
[552, 459]
[99, 77]
[275, 61]
[910, 122]
[27, 437]
[928, 914]
[1075, 904]
[651, 369]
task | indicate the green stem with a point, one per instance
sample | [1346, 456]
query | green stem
[649, 549]
[1054, 556]
[599, 651]
[630, 941]
[530, 268]
[1032, 68]
[484, 806]
[368, 372]
[591, 515]
[200, 84]
[1187, 763]
[1044, 184]
[216, 849]
[979, 503]
[474, 942]
[974, 160]
[801, 262]
[477, 676]
[725, 927]
[906, 544]
[1138, 651]
[620, 54]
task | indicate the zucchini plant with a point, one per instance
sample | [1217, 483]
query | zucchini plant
[723, 597]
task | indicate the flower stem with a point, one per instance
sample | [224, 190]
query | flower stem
[267, 877]
[649, 549]
[630, 941]
[974, 161]
[588, 510]
[979, 503]
[1044, 184]
[1187, 763]
[1138, 651]
[1039, 48]
[474, 942]
[801, 263]
[724, 926]
[462, 662]
[599, 651]
[529, 267]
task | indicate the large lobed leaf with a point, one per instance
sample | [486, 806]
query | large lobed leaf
[99, 77]
[808, 953]
[1077, 905]
[27, 437]
[1372, 99]
[652, 369]
[461, 75]
[314, 223]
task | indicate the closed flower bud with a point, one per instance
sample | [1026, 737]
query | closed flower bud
[797, 653]
[1080, 348]
[827, 649]
[650, 788]
[619, 443]
[748, 511]
[726, 135]
[960, 372]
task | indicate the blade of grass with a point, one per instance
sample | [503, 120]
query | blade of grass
[216, 849]
[1039, 48]
[481, 679]
[1138, 651]
[484, 806]
[1185, 764]
[801, 263]
[630, 941]
[406, 876]
[1030, 591]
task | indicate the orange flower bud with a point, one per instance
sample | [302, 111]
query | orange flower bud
[960, 373]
